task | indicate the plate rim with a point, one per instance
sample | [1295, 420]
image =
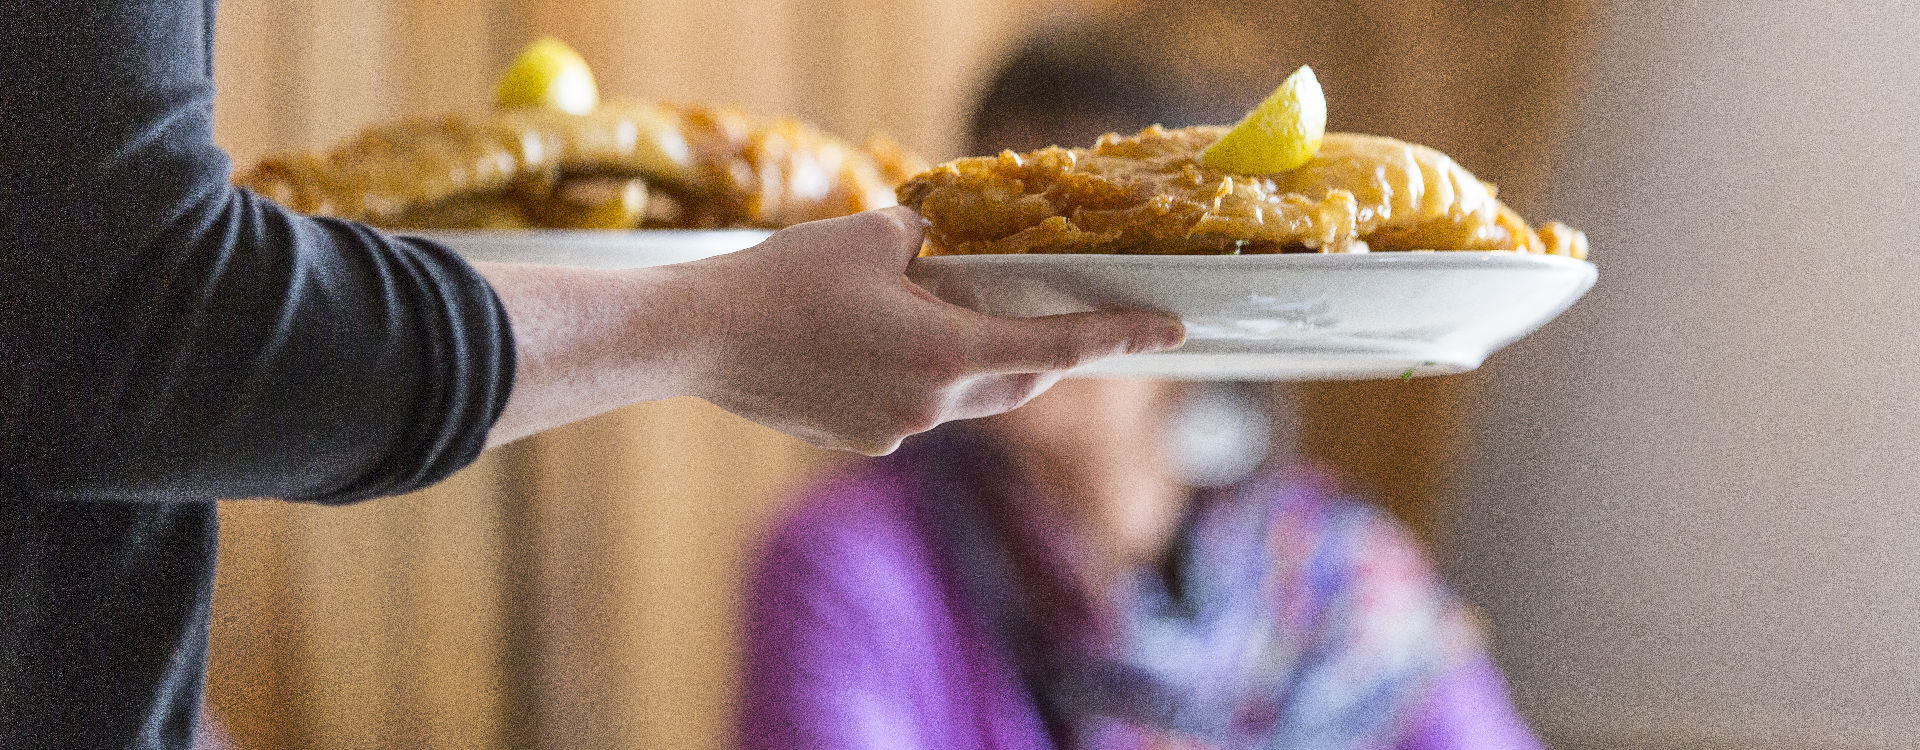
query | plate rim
[609, 236]
[1420, 258]
[1424, 259]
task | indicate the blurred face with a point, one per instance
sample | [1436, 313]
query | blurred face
[1095, 452]
[1082, 418]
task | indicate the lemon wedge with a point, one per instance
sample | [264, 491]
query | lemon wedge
[1280, 135]
[595, 203]
[548, 73]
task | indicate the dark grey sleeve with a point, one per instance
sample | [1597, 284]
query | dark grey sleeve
[165, 336]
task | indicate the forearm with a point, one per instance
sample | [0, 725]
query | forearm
[590, 341]
[256, 355]
[815, 332]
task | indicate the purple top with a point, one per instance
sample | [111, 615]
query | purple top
[861, 634]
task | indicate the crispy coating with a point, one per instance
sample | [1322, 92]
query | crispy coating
[1149, 194]
[697, 167]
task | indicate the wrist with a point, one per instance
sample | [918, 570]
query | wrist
[671, 333]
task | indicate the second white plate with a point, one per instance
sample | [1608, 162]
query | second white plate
[587, 248]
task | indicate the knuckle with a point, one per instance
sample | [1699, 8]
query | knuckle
[891, 221]
[899, 220]
[1026, 387]
[941, 365]
[923, 420]
[1018, 390]
[874, 446]
[872, 436]
[952, 368]
[915, 417]
[1065, 352]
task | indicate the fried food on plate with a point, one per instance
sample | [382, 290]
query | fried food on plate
[1149, 193]
[554, 155]
[623, 165]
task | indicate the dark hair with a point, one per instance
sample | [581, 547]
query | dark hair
[1066, 87]
[1123, 70]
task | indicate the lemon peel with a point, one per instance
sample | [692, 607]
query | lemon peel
[1280, 135]
[549, 74]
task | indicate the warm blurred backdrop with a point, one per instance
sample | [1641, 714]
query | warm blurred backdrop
[578, 589]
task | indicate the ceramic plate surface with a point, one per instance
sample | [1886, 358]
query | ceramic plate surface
[1249, 317]
[1285, 317]
[593, 248]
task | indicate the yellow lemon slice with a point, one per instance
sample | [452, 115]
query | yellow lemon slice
[1281, 134]
[549, 74]
[595, 203]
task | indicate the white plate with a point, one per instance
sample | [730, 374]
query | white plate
[588, 248]
[1249, 317]
[1285, 317]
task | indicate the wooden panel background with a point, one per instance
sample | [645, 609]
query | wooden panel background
[577, 590]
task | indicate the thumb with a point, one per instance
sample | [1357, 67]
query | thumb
[888, 236]
[1060, 342]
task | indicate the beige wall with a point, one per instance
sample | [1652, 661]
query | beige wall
[1694, 510]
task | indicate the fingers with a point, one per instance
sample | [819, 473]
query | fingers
[1061, 342]
[985, 396]
[1001, 393]
[878, 449]
[888, 236]
[899, 232]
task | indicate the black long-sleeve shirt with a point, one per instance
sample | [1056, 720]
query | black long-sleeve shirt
[166, 340]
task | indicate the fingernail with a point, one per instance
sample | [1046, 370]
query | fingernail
[917, 218]
[1168, 337]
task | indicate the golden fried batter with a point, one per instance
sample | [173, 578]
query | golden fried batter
[1149, 194]
[624, 165]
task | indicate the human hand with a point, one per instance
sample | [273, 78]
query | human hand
[818, 333]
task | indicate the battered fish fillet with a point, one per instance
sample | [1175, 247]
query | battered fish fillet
[1149, 194]
[624, 165]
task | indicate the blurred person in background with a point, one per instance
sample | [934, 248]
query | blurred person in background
[1117, 565]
